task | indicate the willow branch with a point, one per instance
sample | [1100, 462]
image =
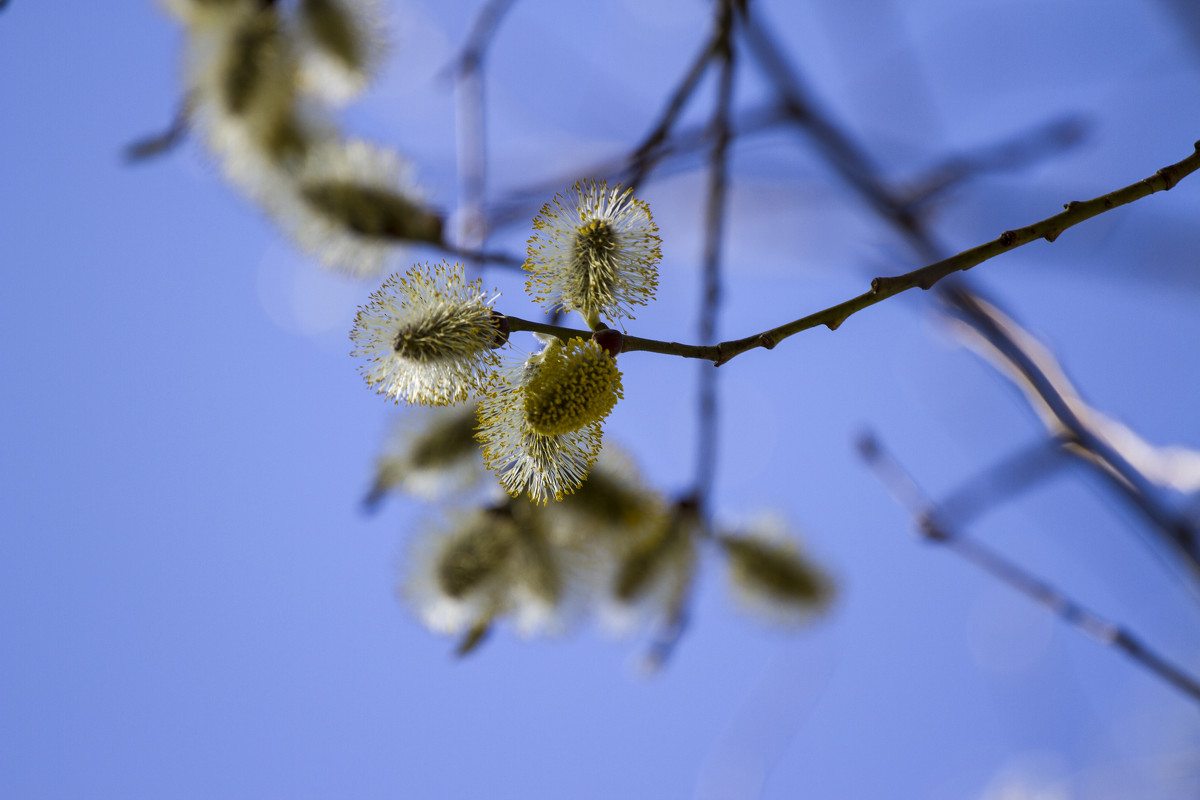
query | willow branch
[1028, 147]
[933, 529]
[495, 257]
[714, 229]
[470, 58]
[671, 156]
[159, 143]
[648, 152]
[471, 139]
[926, 277]
[923, 278]
[1073, 420]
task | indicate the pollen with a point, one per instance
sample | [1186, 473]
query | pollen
[577, 384]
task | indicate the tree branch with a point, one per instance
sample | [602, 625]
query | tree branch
[924, 278]
[714, 229]
[933, 529]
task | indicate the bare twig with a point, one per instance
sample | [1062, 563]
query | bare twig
[714, 229]
[1072, 419]
[852, 164]
[647, 154]
[494, 257]
[471, 139]
[698, 502]
[1028, 147]
[933, 528]
[470, 58]
[1021, 470]
[672, 155]
[924, 278]
[159, 143]
[666, 638]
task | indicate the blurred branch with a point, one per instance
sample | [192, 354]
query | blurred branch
[157, 144]
[471, 139]
[933, 529]
[487, 21]
[1004, 480]
[1028, 147]
[521, 204]
[1034, 368]
[853, 165]
[662, 646]
[494, 257]
[848, 160]
[714, 230]
[699, 501]
[647, 154]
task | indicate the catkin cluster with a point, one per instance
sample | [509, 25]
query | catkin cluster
[571, 537]
[261, 79]
[430, 338]
[574, 538]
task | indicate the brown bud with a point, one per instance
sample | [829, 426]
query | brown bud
[500, 322]
[613, 341]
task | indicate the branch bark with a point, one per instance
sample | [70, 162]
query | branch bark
[924, 278]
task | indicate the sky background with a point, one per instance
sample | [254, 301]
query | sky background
[193, 605]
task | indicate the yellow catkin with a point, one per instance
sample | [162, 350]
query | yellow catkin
[578, 384]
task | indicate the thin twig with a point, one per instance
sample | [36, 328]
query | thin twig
[1002, 481]
[665, 640]
[647, 154]
[674, 152]
[494, 257]
[159, 143]
[471, 139]
[1045, 379]
[856, 169]
[1028, 147]
[924, 278]
[470, 58]
[933, 528]
[714, 230]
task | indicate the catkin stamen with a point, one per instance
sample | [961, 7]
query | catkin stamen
[594, 249]
[577, 385]
[438, 336]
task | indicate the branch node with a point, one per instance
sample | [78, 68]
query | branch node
[766, 342]
[929, 530]
[1050, 236]
[1008, 238]
[1168, 176]
[1071, 205]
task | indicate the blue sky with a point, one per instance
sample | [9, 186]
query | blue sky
[193, 605]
